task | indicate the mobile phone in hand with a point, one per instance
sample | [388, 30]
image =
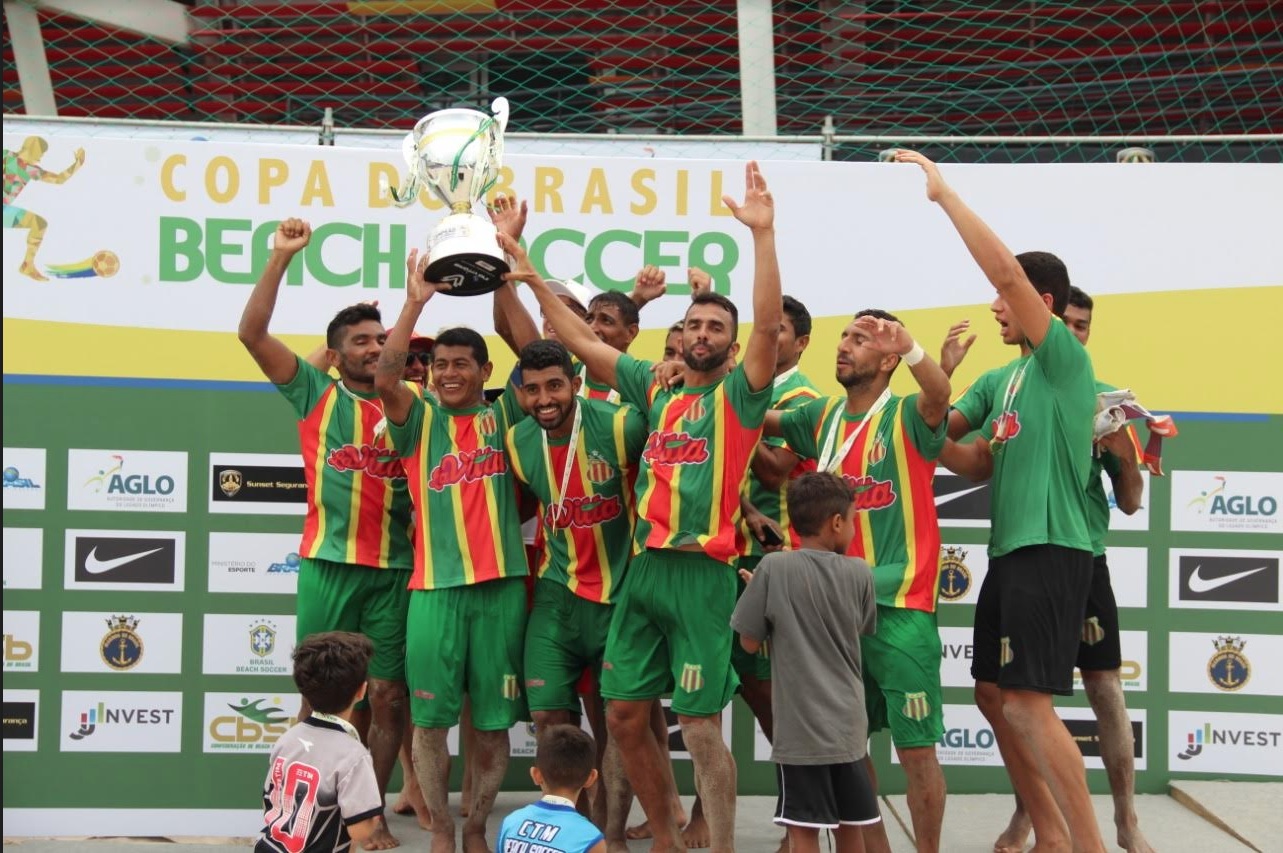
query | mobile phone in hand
[770, 538]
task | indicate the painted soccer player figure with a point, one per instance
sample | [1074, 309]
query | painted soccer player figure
[356, 545]
[885, 448]
[467, 600]
[21, 168]
[1099, 654]
[702, 437]
[1037, 413]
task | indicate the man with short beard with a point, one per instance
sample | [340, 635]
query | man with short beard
[467, 612]
[669, 627]
[578, 458]
[885, 447]
[356, 550]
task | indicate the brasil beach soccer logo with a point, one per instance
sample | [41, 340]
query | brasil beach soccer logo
[21, 167]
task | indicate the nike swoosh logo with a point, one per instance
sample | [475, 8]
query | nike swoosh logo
[95, 566]
[1200, 584]
[941, 500]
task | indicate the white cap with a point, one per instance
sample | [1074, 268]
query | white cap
[572, 289]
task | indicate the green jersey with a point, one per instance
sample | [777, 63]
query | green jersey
[1038, 411]
[588, 531]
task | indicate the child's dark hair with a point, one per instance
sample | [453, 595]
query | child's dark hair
[815, 498]
[566, 756]
[330, 667]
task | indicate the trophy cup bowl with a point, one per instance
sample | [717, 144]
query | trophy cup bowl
[457, 154]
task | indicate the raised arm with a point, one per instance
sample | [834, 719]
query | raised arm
[993, 257]
[275, 359]
[885, 336]
[512, 322]
[758, 213]
[954, 348]
[599, 357]
[649, 285]
[396, 395]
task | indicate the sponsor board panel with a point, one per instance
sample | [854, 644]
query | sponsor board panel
[122, 641]
[1085, 731]
[23, 557]
[137, 560]
[127, 480]
[1227, 501]
[24, 478]
[1246, 664]
[21, 720]
[1215, 742]
[1119, 520]
[962, 571]
[247, 644]
[247, 722]
[21, 641]
[968, 740]
[1129, 575]
[956, 653]
[1134, 669]
[121, 721]
[960, 502]
[257, 484]
[254, 563]
[1219, 579]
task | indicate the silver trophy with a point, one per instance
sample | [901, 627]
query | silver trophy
[458, 153]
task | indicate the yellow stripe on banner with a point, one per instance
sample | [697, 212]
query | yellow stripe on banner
[899, 444]
[318, 466]
[866, 527]
[358, 481]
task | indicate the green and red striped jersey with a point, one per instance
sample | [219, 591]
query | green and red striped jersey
[791, 390]
[695, 460]
[891, 467]
[468, 530]
[358, 502]
[587, 532]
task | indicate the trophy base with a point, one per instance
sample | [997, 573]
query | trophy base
[464, 254]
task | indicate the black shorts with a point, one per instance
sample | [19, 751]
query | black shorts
[1029, 619]
[1099, 648]
[822, 796]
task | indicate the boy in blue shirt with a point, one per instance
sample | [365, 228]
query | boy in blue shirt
[565, 764]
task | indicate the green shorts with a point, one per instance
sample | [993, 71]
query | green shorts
[902, 677]
[748, 666]
[566, 634]
[669, 632]
[343, 597]
[467, 639]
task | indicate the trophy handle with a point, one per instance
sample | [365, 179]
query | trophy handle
[410, 186]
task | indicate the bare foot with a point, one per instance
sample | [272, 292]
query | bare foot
[443, 842]
[1015, 836]
[381, 838]
[411, 802]
[30, 271]
[475, 842]
[696, 834]
[641, 831]
[1131, 840]
[784, 844]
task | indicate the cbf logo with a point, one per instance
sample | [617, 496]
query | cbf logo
[262, 638]
[290, 566]
[14, 480]
[122, 648]
[1229, 668]
[955, 579]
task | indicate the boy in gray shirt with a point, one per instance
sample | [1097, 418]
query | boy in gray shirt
[812, 605]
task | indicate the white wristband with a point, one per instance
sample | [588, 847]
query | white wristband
[913, 356]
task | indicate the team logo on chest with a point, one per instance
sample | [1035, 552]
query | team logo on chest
[870, 493]
[1006, 426]
[878, 451]
[486, 423]
[586, 511]
[695, 411]
[599, 470]
[467, 466]
[382, 462]
[675, 448]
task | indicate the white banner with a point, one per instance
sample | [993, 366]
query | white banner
[247, 722]
[24, 476]
[122, 641]
[1238, 501]
[253, 563]
[1220, 579]
[200, 217]
[1246, 664]
[23, 557]
[122, 721]
[127, 480]
[21, 641]
[1129, 576]
[1201, 742]
[237, 644]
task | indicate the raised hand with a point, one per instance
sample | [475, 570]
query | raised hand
[1119, 443]
[292, 235]
[954, 349]
[701, 282]
[884, 336]
[508, 216]
[758, 209]
[650, 283]
[417, 287]
[522, 269]
[669, 374]
[936, 187]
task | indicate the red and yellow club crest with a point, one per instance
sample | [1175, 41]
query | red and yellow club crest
[486, 423]
[878, 451]
[695, 411]
[599, 470]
